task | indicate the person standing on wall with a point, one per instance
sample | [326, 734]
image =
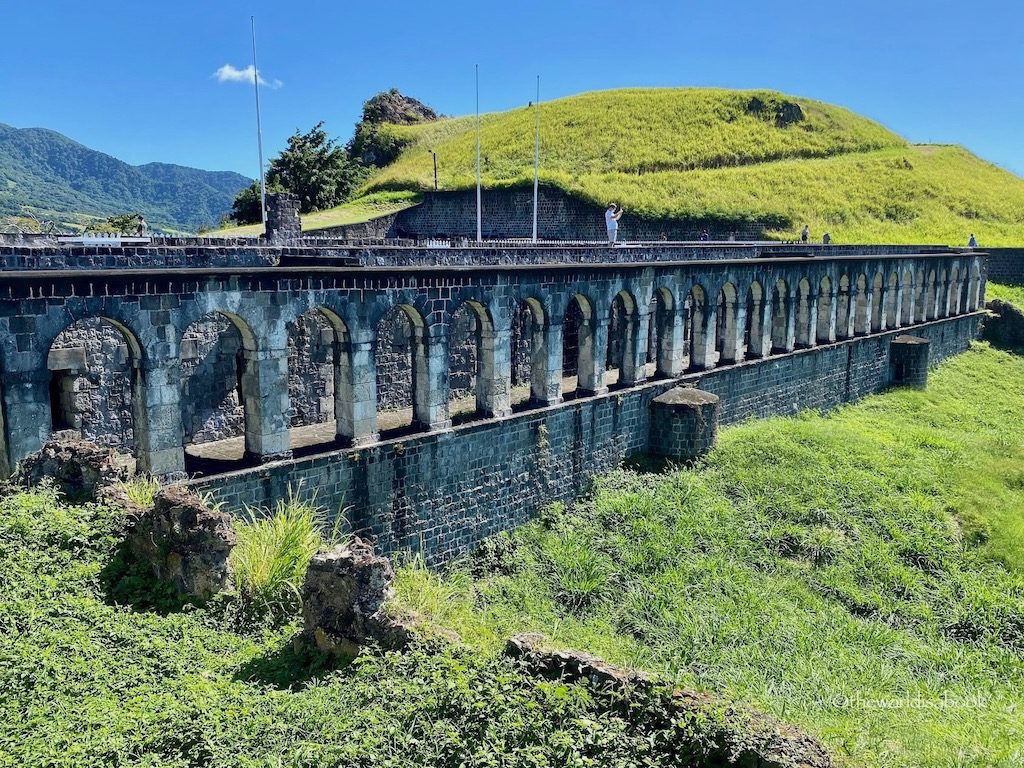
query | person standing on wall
[972, 243]
[805, 234]
[611, 219]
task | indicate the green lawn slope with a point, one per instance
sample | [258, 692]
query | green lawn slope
[859, 574]
[700, 152]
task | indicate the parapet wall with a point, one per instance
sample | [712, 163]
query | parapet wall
[1006, 265]
[441, 493]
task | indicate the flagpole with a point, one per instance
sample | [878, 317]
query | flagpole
[259, 123]
[536, 159]
[479, 231]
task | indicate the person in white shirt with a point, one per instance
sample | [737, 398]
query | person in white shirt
[611, 219]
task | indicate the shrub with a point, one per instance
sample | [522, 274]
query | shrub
[273, 553]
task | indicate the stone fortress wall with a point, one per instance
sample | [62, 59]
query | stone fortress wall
[165, 358]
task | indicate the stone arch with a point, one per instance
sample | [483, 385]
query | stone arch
[906, 293]
[477, 382]
[931, 297]
[729, 343]
[530, 378]
[891, 303]
[805, 314]
[942, 294]
[666, 349]
[877, 295]
[95, 383]
[218, 376]
[781, 312]
[920, 298]
[753, 325]
[974, 289]
[578, 346]
[954, 290]
[702, 335]
[846, 307]
[825, 330]
[864, 311]
[622, 319]
[400, 352]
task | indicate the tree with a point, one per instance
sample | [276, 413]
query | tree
[313, 167]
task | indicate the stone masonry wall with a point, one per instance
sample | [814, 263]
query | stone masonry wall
[1006, 265]
[442, 493]
[211, 405]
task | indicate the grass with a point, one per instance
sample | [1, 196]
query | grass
[1011, 293]
[370, 206]
[273, 552]
[141, 489]
[859, 574]
[697, 152]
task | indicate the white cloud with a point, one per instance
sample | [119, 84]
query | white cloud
[230, 74]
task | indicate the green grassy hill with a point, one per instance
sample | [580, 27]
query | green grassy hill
[742, 155]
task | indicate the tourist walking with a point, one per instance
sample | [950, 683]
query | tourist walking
[805, 234]
[140, 227]
[972, 243]
[611, 219]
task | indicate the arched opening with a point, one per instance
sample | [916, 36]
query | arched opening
[94, 376]
[865, 310]
[780, 317]
[319, 383]
[729, 342]
[876, 302]
[931, 300]
[974, 291]
[907, 304]
[702, 333]
[622, 318]
[805, 315]
[578, 347]
[920, 298]
[214, 373]
[843, 308]
[890, 313]
[954, 290]
[825, 332]
[753, 325]
[475, 384]
[665, 352]
[400, 356]
[529, 354]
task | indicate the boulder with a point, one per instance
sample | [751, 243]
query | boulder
[78, 468]
[343, 600]
[185, 542]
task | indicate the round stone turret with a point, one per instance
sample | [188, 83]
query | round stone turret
[684, 423]
[908, 361]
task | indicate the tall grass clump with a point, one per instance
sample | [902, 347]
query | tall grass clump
[141, 489]
[273, 552]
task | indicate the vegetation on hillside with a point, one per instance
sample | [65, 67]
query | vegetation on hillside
[727, 155]
[860, 574]
[52, 177]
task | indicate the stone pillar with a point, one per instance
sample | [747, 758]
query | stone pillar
[593, 341]
[283, 223]
[26, 397]
[671, 342]
[355, 391]
[831, 315]
[546, 364]
[791, 308]
[430, 378]
[265, 395]
[908, 361]
[684, 423]
[494, 376]
[158, 430]
[634, 353]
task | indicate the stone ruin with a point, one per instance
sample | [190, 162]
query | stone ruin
[343, 601]
[743, 738]
[78, 468]
[185, 543]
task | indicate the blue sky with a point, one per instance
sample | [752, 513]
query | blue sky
[137, 80]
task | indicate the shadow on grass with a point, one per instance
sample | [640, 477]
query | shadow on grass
[290, 667]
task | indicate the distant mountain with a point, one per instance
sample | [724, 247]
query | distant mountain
[47, 173]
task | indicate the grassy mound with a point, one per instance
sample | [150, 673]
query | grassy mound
[731, 155]
[859, 574]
